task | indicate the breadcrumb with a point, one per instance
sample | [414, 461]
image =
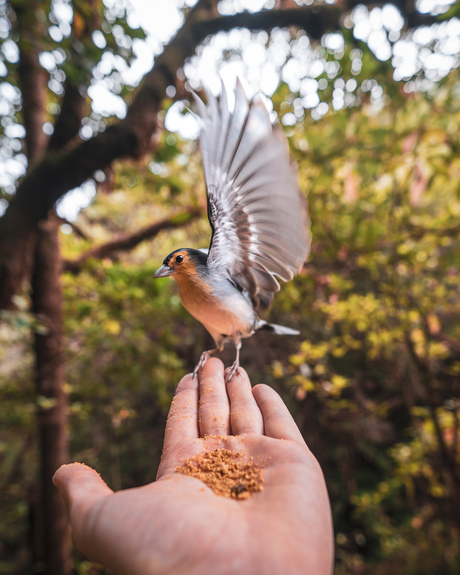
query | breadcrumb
[225, 472]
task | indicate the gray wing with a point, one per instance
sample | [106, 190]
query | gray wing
[258, 217]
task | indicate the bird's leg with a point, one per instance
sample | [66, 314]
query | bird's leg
[236, 364]
[204, 358]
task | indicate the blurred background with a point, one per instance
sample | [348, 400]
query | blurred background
[101, 178]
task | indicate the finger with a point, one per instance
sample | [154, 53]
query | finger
[278, 422]
[82, 490]
[182, 420]
[78, 483]
[214, 408]
[245, 415]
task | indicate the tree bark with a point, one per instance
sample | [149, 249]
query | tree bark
[36, 244]
[52, 400]
[32, 79]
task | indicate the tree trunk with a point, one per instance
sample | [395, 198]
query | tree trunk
[17, 244]
[52, 400]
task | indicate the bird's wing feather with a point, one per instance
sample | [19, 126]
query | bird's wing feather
[258, 217]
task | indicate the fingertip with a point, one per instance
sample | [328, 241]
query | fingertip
[267, 398]
[67, 473]
[278, 421]
[262, 389]
[78, 482]
[212, 368]
[189, 381]
[68, 470]
[259, 385]
[240, 374]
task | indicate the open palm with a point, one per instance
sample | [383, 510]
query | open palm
[178, 525]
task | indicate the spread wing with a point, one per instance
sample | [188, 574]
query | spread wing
[258, 217]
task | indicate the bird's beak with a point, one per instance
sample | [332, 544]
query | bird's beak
[163, 272]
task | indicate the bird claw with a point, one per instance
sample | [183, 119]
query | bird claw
[232, 371]
[203, 359]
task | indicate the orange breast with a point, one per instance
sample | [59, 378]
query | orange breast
[229, 314]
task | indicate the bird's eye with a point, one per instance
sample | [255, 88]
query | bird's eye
[179, 259]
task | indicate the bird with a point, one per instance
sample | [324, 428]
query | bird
[260, 228]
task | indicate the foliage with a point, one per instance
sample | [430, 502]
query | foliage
[79, 43]
[374, 380]
[128, 342]
[382, 356]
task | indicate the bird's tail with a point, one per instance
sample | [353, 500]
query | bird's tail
[279, 329]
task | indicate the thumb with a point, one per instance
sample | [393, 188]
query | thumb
[82, 489]
[79, 485]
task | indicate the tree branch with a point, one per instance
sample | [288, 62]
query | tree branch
[132, 137]
[75, 228]
[68, 123]
[427, 378]
[316, 20]
[126, 242]
[452, 343]
[85, 21]
[407, 9]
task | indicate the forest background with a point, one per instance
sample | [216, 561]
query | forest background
[91, 346]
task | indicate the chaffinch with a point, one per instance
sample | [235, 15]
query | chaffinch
[258, 219]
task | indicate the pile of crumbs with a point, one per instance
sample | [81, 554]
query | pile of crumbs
[223, 471]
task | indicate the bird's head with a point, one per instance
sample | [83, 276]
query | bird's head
[184, 262]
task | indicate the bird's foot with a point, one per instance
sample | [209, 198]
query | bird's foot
[232, 371]
[203, 359]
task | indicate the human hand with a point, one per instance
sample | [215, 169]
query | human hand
[178, 525]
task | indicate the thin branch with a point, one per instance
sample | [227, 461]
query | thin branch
[451, 343]
[16, 472]
[418, 232]
[77, 229]
[455, 432]
[426, 376]
[126, 242]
